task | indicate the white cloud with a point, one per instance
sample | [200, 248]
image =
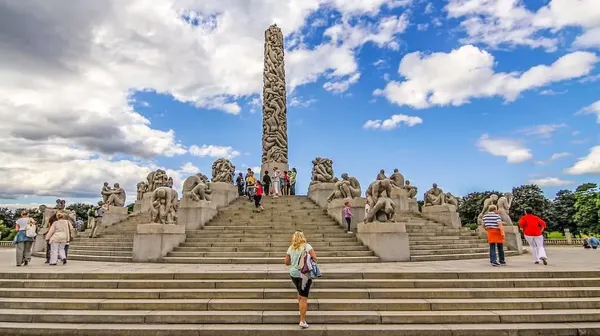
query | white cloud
[189, 168]
[551, 92]
[509, 22]
[543, 131]
[342, 85]
[429, 80]
[554, 157]
[589, 164]
[512, 150]
[300, 102]
[422, 26]
[214, 151]
[429, 8]
[592, 109]
[551, 182]
[393, 122]
[28, 206]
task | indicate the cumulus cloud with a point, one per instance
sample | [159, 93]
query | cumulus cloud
[213, 151]
[551, 182]
[589, 164]
[430, 80]
[512, 150]
[509, 22]
[554, 157]
[592, 109]
[393, 122]
[189, 168]
[543, 131]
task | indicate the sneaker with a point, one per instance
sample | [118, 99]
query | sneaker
[26, 262]
[64, 261]
[537, 262]
[545, 261]
[303, 325]
[503, 264]
[350, 232]
[495, 264]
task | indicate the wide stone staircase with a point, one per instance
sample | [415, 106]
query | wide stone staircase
[246, 302]
[240, 236]
[433, 241]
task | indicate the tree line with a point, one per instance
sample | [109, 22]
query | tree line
[577, 210]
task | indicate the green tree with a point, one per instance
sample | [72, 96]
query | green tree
[587, 208]
[470, 205]
[130, 207]
[7, 216]
[563, 212]
[81, 210]
[529, 195]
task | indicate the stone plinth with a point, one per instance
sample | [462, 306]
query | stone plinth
[223, 193]
[445, 214]
[113, 215]
[146, 202]
[152, 242]
[137, 206]
[269, 167]
[512, 238]
[389, 241]
[39, 244]
[319, 192]
[403, 202]
[194, 214]
[335, 209]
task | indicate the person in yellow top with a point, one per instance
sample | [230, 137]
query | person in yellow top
[250, 185]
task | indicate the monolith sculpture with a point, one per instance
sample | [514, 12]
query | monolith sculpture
[274, 140]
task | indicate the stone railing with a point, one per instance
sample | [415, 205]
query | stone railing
[6, 244]
[574, 241]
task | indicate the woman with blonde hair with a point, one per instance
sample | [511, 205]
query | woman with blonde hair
[58, 236]
[22, 241]
[294, 258]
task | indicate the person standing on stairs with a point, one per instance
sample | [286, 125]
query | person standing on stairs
[266, 181]
[258, 196]
[239, 181]
[533, 227]
[302, 282]
[293, 182]
[275, 180]
[492, 222]
[348, 215]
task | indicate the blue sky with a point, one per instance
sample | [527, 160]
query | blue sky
[484, 97]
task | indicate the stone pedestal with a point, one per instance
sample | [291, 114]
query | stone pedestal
[152, 242]
[48, 212]
[335, 209]
[193, 215]
[39, 244]
[269, 167]
[403, 202]
[512, 239]
[146, 202]
[137, 206]
[319, 192]
[223, 193]
[481, 232]
[113, 215]
[389, 241]
[445, 214]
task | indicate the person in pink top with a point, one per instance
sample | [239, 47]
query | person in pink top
[348, 215]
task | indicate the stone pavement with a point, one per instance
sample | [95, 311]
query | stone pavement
[560, 259]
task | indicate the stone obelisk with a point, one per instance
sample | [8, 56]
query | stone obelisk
[274, 140]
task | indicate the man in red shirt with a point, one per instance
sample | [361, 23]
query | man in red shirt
[532, 227]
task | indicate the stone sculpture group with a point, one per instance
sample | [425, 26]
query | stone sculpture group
[345, 188]
[197, 188]
[503, 205]
[223, 171]
[114, 196]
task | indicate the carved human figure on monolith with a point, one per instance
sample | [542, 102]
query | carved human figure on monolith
[106, 192]
[504, 204]
[322, 170]
[378, 198]
[434, 196]
[381, 175]
[275, 140]
[116, 197]
[450, 199]
[412, 190]
[492, 199]
[157, 179]
[347, 187]
[164, 206]
[197, 188]
[397, 179]
[223, 171]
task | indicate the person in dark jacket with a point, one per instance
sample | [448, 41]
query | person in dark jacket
[266, 181]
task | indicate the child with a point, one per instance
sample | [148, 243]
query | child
[348, 215]
[258, 196]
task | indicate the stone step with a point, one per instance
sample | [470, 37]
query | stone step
[264, 260]
[99, 252]
[280, 254]
[292, 304]
[283, 245]
[286, 293]
[499, 329]
[441, 234]
[438, 239]
[265, 249]
[73, 256]
[105, 240]
[290, 317]
[287, 240]
[271, 228]
[250, 279]
[103, 245]
[414, 253]
[288, 236]
[449, 246]
[457, 256]
[80, 247]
